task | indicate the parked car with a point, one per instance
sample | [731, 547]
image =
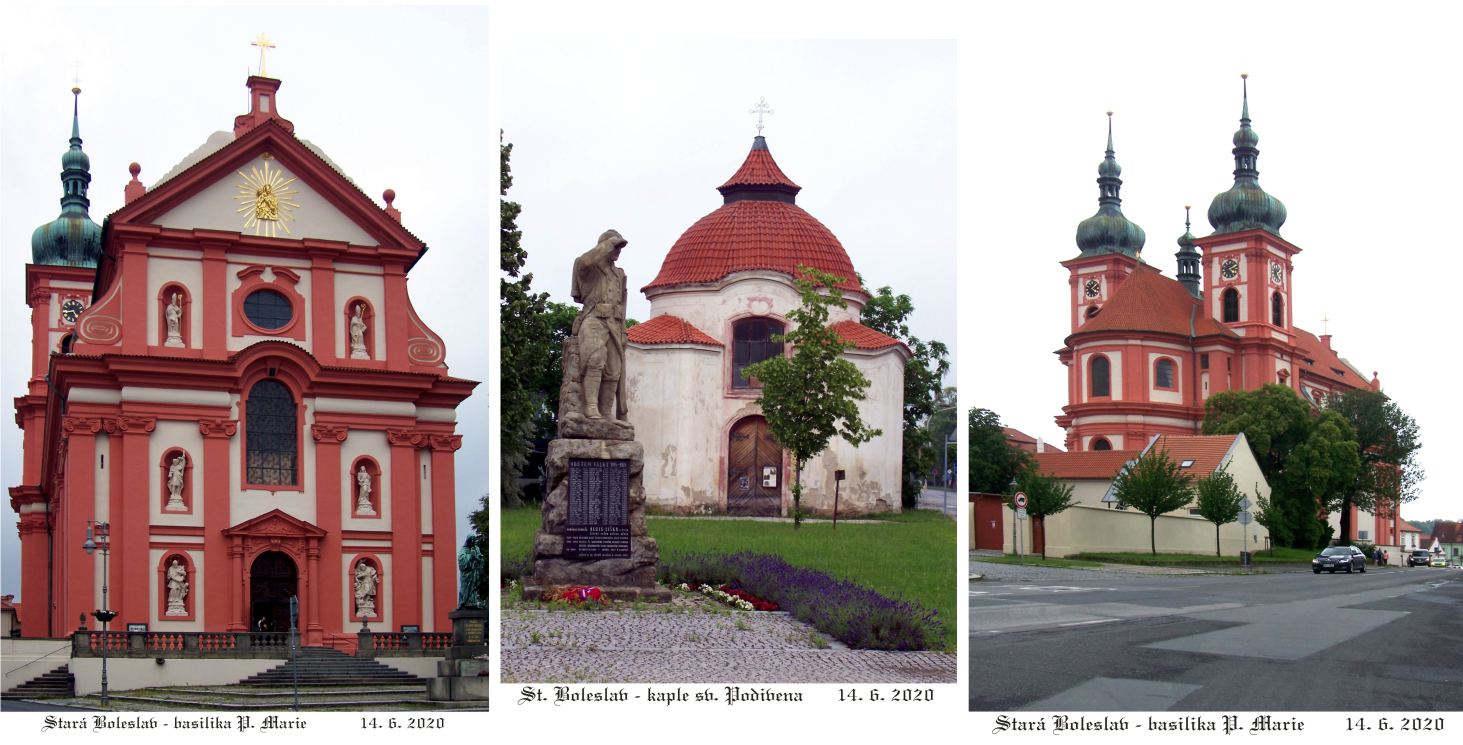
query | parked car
[1345, 558]
[1439, 560]
[1418, 558]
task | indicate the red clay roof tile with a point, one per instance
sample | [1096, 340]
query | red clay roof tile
[1149, 301]
[1088, 464]
[1325, 363]
[669, 329]
[1207, 451]
[863, 337]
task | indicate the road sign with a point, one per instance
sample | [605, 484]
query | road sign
[1020, 500]
[1244, 503]
[1021, 513]
[1244, 518]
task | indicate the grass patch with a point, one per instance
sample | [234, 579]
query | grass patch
[906, 556]
[1278, 556]
[1031, 560]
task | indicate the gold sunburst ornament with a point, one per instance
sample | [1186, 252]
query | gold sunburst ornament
[265, 199]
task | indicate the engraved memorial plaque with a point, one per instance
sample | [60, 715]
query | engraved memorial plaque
[599, 509]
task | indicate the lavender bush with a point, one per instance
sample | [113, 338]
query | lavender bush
[855, 615]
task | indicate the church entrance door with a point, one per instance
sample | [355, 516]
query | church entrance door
[754, 470]
[273, 578]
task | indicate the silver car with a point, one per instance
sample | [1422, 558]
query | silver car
[1345, 558]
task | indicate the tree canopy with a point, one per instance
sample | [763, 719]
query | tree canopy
[994, 462]
[1153, 485]
[1046, 495]
[1217, 498]
[812, 396]
[1387, 444]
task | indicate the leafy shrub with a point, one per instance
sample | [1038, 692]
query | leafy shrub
[515, 568]
[855, 615]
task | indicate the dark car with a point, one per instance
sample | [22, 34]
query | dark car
[1418, 558]
[1345, 558]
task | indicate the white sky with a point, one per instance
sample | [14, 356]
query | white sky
[637, 136]
[1357, 115]
[396, 97]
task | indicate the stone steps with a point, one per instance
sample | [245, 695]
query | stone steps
[318, 666]
[56, 683]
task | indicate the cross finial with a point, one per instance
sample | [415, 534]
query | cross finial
[1325, 325]
[264, 45]
[760, 109]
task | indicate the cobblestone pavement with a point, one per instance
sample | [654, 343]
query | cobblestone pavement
[695, 640]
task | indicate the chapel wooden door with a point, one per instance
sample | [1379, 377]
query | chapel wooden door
[754, 470]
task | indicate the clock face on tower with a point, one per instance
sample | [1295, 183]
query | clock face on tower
[1277, 273]
[1092, 288]
[71, 308]
[1229, 268]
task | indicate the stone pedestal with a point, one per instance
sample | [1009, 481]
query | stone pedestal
[595, 550]
[462, 676]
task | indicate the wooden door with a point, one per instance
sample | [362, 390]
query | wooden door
[754, 470]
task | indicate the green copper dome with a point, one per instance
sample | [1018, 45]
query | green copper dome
[1108, 231]
[1246, 205]
[72, 239]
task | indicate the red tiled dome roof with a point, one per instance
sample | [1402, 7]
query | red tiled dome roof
[758, 227]
[669, 329]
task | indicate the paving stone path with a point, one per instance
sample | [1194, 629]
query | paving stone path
[694, 640]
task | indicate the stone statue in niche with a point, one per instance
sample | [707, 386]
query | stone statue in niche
[363, 492]
[175, 483]
[366, 581]
[358, 333]
[173, 315]
[177, 589]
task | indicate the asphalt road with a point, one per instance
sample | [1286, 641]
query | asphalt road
[939, 500]
[1387, 640]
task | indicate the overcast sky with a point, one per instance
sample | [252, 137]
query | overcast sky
[396, 97]
[1358, 121]
[637, 138]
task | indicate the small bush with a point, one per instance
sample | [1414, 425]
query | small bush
[514, 568]
[855, 615]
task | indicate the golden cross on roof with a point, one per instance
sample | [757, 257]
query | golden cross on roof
[264, 46]
[760, 109]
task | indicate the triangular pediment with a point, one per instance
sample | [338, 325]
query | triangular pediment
[275, 523]
[268, 183]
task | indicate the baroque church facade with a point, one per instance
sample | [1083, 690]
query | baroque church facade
[721, 297]
[1146, 351]
[229, 375]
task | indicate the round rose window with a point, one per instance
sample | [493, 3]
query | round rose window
[268, 310]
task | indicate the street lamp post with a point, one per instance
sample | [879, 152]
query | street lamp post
[99, 538]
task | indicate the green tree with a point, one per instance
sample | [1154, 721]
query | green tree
[924, 374]
[1387, 443]
[994, 462]
[1217, 499]
[1154, 485]
[1045, 496]
[813, 395]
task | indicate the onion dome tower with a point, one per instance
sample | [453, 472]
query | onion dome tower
[1246, 206]
[758, 227]
[72, 239]
[1109, 231]
[1189, 260]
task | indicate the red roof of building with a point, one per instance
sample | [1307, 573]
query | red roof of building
[1406, 527]
[863, 337]
[669, 329]
[1448, 531]
[1026, 442]
[1149, 301]
[1206, 451]
[1321, 361]
[1088, 464]
[759, 227]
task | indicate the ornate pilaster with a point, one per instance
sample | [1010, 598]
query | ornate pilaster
[221, 428]
[323, 432]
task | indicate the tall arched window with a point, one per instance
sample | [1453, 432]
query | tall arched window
[752, 342]
[1277, 309]
[1101, 376]
[1163, 374]
[271, 436]
[1101, 443]
[1231, 305]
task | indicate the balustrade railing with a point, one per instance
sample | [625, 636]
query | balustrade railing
[274, 644]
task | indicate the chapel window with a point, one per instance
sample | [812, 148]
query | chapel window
[1231, 305]
[752, 342]
[1277, 310]
[271, 437]
[1163, 374]
[1101, 377]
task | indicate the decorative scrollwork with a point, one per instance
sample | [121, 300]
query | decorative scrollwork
[224, 428]
[337, 432]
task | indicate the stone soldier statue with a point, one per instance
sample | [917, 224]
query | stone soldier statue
[599, 286]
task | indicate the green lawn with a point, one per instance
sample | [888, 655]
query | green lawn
[909, 556]
[1279, 556]
[1035, 560]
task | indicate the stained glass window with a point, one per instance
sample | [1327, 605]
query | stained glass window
[268, 309]
[271, 440]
